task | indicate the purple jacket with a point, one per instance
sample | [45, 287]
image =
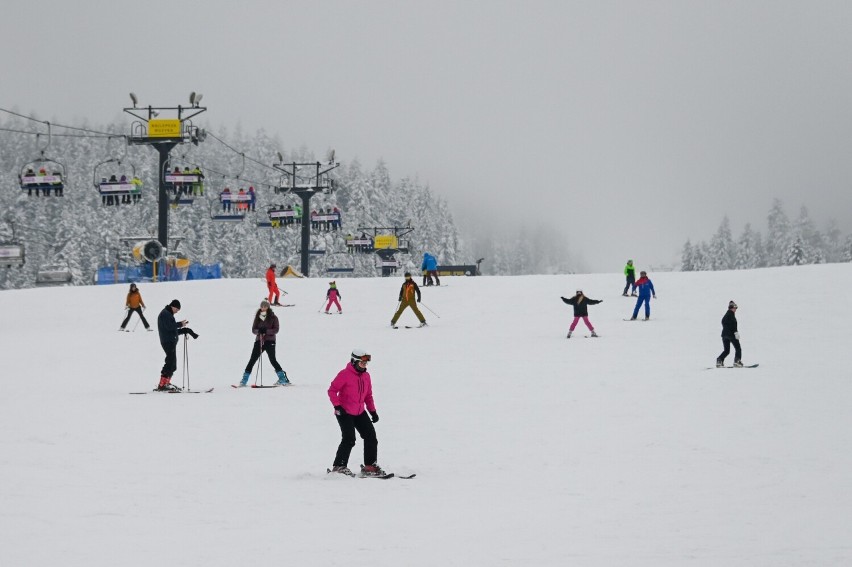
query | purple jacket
[269, 326]
[352, 390]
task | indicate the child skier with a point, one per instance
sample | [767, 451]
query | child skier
[350, 392]
[333, 295]
[730, 336]
[646, 291]
[409, 296]
[265, 328]
[134, 304]
[630, 276]
[581, 310]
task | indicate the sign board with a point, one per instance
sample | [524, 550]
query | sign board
[164, 128]
[386, 241]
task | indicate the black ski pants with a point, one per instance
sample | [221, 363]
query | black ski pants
[348, 425]
[269, 349]
[130, 314]
[631, 281]
[171, 359]
[738, 352]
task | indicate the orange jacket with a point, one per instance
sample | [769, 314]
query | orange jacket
[134, 299]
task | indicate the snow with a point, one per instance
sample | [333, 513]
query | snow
[529, 449]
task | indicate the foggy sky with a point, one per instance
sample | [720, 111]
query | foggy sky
[629, 125]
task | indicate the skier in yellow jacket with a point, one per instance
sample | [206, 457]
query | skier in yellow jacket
[409, 296]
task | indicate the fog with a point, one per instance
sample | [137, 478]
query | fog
[628, 126]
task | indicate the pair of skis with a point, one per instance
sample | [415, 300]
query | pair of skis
[263, 386]
[383, 477]
[174, 392]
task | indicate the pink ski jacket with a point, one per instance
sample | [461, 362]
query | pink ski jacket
[352, 390]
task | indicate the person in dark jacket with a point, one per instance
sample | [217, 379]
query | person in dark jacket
[409, 296]
[265, 328]
[169, 330]
[581, 310]
[730, 336]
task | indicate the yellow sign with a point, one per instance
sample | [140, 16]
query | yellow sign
[385, 241]
[164, 128]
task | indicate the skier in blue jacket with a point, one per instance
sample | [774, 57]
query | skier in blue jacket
[430, 267]
[646, 292]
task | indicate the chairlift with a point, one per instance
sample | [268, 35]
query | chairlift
[121, 188]
[184, 182]
[52, 274]
[283, 215]
[229, 208]
[11, 254]
[43, 174]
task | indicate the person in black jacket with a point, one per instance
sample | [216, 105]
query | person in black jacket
[169, 330]
[730, 336]
[581, 310]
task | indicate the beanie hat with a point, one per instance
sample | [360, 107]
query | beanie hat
[264, 302]
[175, 303]
[732, 305]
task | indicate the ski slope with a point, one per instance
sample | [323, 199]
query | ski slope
[529, 449]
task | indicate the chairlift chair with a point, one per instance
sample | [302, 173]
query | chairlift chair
[51, 274]
[129, 190]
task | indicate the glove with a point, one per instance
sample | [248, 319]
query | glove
[193, 334]
[374, 416]
[338, 410]
[737, 335]
[563, 299]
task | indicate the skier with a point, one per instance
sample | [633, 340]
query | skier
[350, 392]
[407, 294]
[581, 310]
[730, 336]
[630, 274]
[333, 295]
[646, 291]
[273, 287]
[430, 267]
[169, 331]
[134, 303]
[265, 327]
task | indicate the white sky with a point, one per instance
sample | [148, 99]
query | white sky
[629, 125]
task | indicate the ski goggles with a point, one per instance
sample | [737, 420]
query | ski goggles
[363, 358]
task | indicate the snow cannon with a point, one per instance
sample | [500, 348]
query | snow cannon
[151, 251]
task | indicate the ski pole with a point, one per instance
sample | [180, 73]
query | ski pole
[185, 367]
[321, 304]
[427, 307]
[259, 371]
[137, 323]
[397, 307]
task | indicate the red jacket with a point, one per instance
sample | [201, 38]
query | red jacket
[270, 277]
[352, 390]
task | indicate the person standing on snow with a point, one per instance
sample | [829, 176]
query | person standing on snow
[430, 267]
[630, 275]
[409, 296]
[265, 327]
[333, 295]
[350, 393]
[272, 286]
[646, 291]
[581, 310]
[730, 336]
[169, 331]
[134, 304]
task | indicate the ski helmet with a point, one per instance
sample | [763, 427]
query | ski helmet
[360, 355]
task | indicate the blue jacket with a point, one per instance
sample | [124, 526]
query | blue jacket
[646, 287]
[429, 262]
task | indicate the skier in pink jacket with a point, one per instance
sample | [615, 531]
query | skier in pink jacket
[349, 392]
[333, 295]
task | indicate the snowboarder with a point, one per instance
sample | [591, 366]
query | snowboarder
[730, 336]
[407, 295]
[581, 310]
[630, 275]
[272, 286]
[333, 295]
[646, 291]
[169, 331]
[350, 392]
[134, 304]
[264, 327]
[430, 267]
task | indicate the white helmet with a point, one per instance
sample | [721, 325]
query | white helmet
[359, 354]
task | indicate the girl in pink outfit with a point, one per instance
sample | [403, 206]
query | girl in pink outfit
[333, 295]
[350, 392]
[581, 311]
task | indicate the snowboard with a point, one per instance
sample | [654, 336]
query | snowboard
[744, 366]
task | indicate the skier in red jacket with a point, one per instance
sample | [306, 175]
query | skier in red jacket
[273, 287]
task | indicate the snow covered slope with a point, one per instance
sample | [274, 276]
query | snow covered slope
[529, 449]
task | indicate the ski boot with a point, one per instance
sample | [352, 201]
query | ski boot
[244, 379]
[422, 324]
[646, 319]
[720, 364]
[594, 334]
[738, 364]
[569, 335]
[372, 470]
[342, 469]
[282, 379]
